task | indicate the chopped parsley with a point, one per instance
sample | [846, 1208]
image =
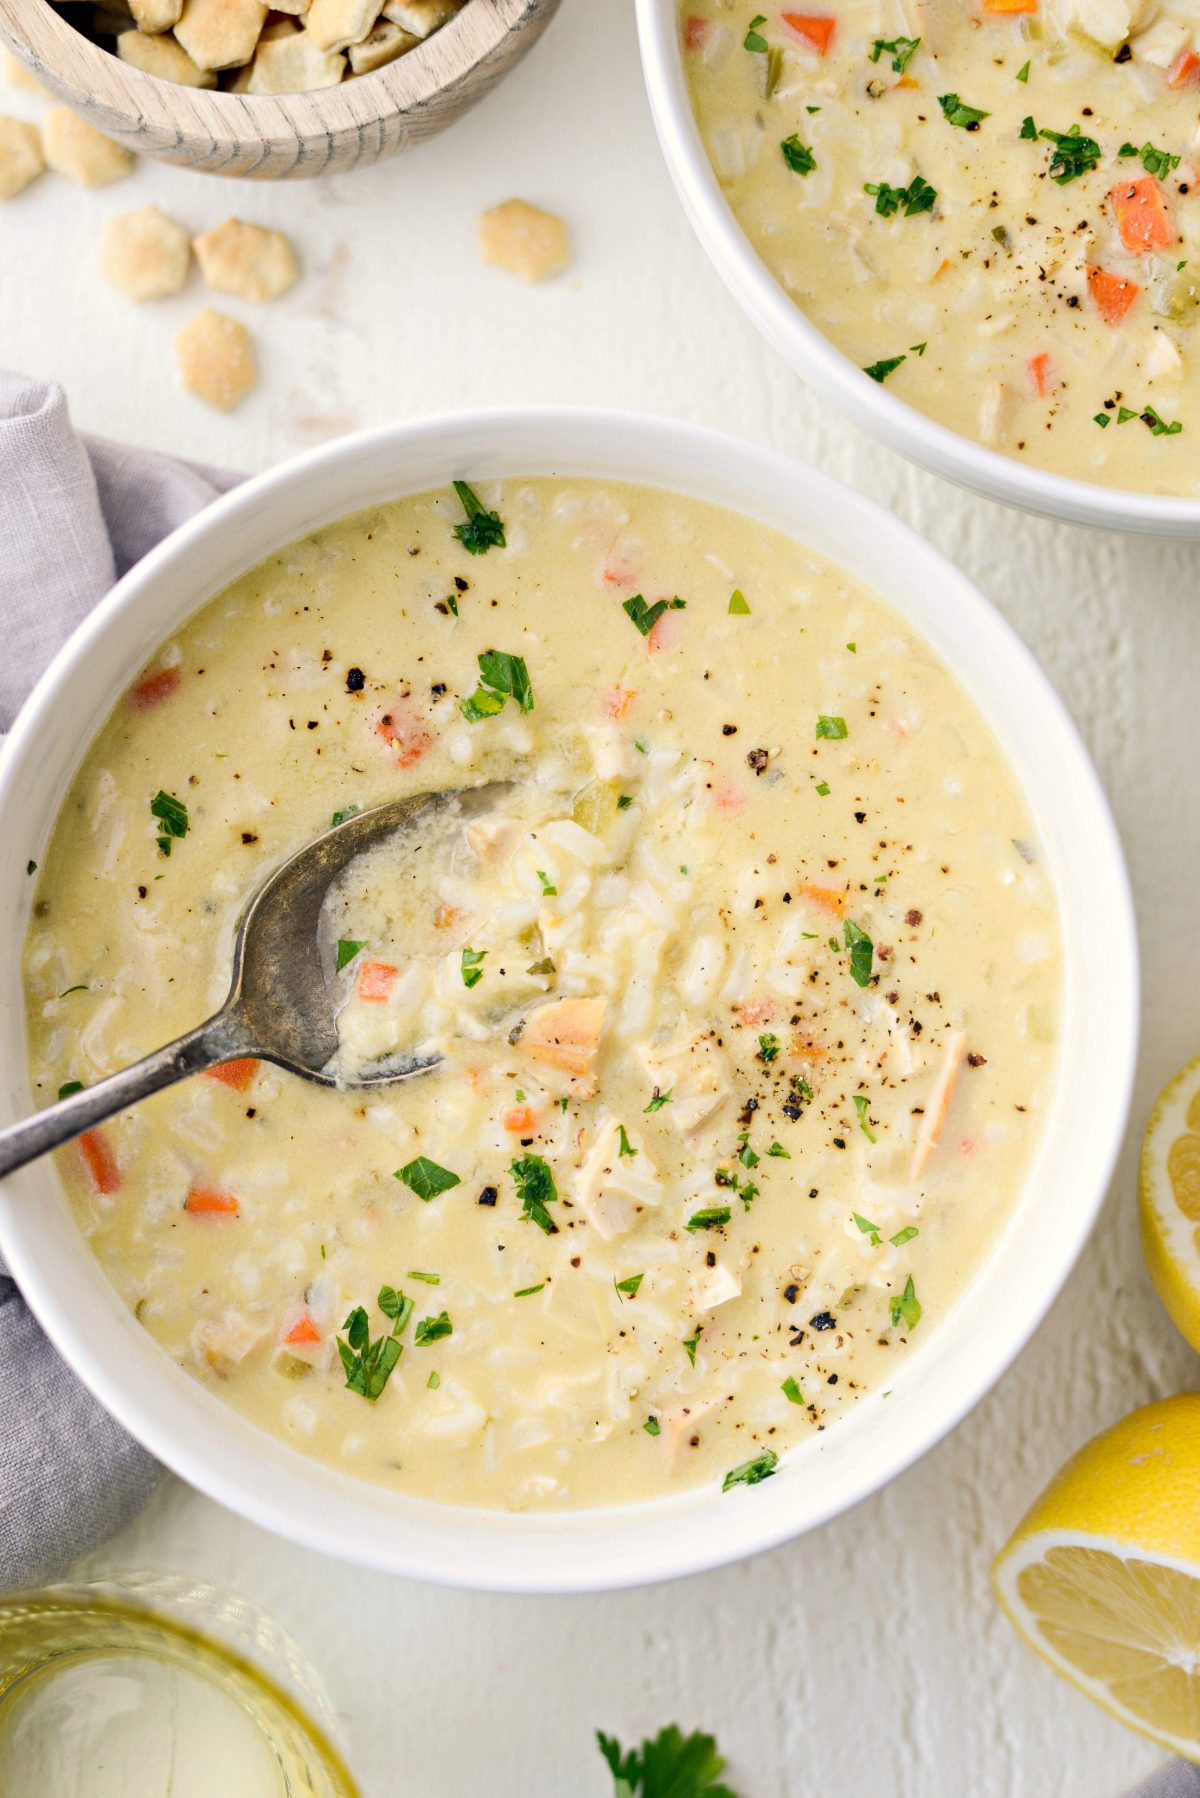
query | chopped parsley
[1158, 426]
[527, 1292]
[1023, 72]
[1073, 154]
[339, 817]
[536, 1190]
[69, 1087]
[754, 40]
[646, 617]
[862, 952]
[472, 971]
[503, 677]
[670, 1765]
[791, 1391]
[777, 1149]
[751, 1472]
[957, 112]
[549, 890]
[68, 990]
[172, 817]
[1102, 419]
[737, 603]
[1028, 130]
[432, 1329]
[902, 1236]
[691, 1344]
[879, 371]
[652, 1426]
[369, 1364]
[746, 1154]
[415, 1273]
[831, 727]
[434, 1380]
[396, 1305]
[1155, 162]
[624, 1146]
[660, 1099]
[868, 1229]
[712, 1217]
[483, 530]
[768, 1047]
[862, 1106]
[824, 789]
[799, 158]
[918, 196]
[907, 1307]
[347, 949]
[624, 802]
[629, 1286]
[900, 49]
[426, 1178]
[482, 704]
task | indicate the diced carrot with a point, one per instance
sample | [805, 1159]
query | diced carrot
[818, 28]
[1185, 70]
[566, 1034]
[302, 1330]
[101, 1162]
[907, 81]
[756, 1013]
[618, 702]
[519, 1119]
[939, 1103]
[829, 897]
[695, 33]
[1113, 294]
[237, 1074]
[807, 1050]
[662, 633]
[405, 734]
[153, 688]
[1143, 218]
[1010, 6]
[1041, 373]
[209, 1201]
[376, 979]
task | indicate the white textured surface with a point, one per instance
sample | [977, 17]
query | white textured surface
[869, 1658]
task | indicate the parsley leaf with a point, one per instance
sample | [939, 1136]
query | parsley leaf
[918, 196]
[791, 1391]
[906, 1307]
[625, 1147]
[1073, 154]
[712, 1217]
[432, 1329]
[862, 1105]
[879, 371]
[172, 817]
[646, 617]
[737, 603]
[834, 728]
[472, 972]
[862, 953]
[768, 1047]
[347, 949]
[482, 704]
[868, 1229]
[368, 1365]
[483, 530]
[670, 1765]
[957, 112]
[660, 1099]
[800, 160]
[902, 1236]
[507, 674]
[754, 39]
[536, 1190]
[426, 1178]
[751, 1472]
[396, 1305]
[691, 1344]
[901, 50]
[630, 1285]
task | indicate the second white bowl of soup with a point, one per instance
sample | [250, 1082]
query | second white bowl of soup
[975, 228]
[748, 1160]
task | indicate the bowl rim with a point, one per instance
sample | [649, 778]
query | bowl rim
[826, 368]
[219, 1452]
[119, 97]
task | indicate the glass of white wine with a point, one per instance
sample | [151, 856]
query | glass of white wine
[157, 1688]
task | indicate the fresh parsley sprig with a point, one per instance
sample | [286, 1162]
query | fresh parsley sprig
[482, 530]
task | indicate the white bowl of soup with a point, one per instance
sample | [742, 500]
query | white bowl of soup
[764, 1000]
[975, 229]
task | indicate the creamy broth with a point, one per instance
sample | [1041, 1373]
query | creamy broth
[1026, 266]
[745, 994]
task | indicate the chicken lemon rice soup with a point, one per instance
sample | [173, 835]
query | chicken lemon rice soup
[742, 994]
[992, 205]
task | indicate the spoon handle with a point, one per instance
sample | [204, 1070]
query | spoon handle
[222, 1038]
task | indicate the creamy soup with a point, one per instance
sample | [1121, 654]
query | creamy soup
[741, 992]
[993, 207]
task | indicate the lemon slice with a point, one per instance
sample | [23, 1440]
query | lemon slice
[1169, 1195]
[1102, 1576]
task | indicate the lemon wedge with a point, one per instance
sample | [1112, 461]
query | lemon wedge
[1169, 1199]
[1102, 1576]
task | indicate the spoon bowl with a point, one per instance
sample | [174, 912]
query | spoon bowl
[281, 1005]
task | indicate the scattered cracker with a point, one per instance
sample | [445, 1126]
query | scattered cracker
[216, 359]
[294, 65]
[421, 16]
[145, 254]
[163, 57]
[336, 24]
[155, 15]
[78, 150]
[524, 240]
[382, 45]
[220, 34]
[17, 75]
[246, 260]
[21, 158]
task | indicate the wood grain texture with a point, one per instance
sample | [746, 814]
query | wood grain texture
[286, 136]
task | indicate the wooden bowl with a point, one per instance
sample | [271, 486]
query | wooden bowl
[288, 135]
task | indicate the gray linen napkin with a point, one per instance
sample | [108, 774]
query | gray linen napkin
[74, 515]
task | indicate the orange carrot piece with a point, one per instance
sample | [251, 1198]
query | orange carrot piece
[1010, 6]
[1142, 215]
[939, 1103]
[1042, 376]
[404, 734]
[829, 897]
[101, 1162]
[376, 979]
[1113, 295]
[152, 689]
[519, 1119]
[818, 28]
[695, 33]
[209, 1201]
[1185, 70]
[618, 702]
[237, 1074]
[302, 1331]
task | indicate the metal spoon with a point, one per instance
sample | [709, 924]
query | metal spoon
[280, 1005]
